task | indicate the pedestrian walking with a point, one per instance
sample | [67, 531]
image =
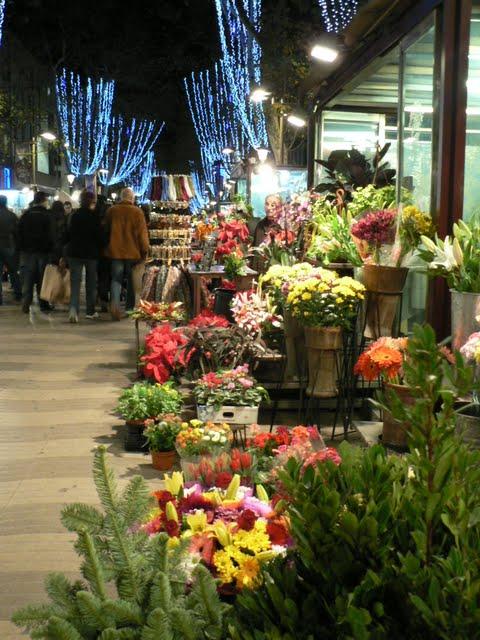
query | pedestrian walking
[104, 268]
[8, 248]
[60, 219]
[36, 242]
[84, 240]
[127, 248]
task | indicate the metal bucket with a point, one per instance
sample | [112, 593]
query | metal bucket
[465, 311]
[468, 425]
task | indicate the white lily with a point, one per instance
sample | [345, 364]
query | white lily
[457, 252]
[429, 244]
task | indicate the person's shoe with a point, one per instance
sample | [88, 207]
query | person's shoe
[92, 316]
[115, 313]
[25, 308]
[104, 307]
[73, 317]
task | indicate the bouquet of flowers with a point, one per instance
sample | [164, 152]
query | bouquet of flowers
[277, 280]
[383, 359]
[375, 234]
[458, 259]
[254, 314]
[231, 531]
[234, 387]
[413, 225]
[164, 353]
[331, 240]
[209, 320]
[157, 312]
[197, 438]
[325, 300]
[235, 264]
[218, 472]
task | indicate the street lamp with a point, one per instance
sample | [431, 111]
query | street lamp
[296, 120]
[46, 135]
[323, 53]
[262, 154]
[259, 94]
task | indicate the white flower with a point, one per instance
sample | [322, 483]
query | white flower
[206, 438]
[215, 437]
[223, 439]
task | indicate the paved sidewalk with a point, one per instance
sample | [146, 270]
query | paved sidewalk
[58, 386]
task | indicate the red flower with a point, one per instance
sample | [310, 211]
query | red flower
[172, 528]
[278, 532]
[163, 497]
[245, 460]
[164, 352]
[246, 520]
[228, 285]
[223, 479]
[207, 319]
[234, 229]
[203, 544]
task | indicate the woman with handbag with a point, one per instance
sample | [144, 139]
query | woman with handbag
[84, 242]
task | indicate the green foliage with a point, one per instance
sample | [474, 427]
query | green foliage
[144, 400]
[155, 597]
[371, 198]
[331, 238]
[234, 265]
[161, 435]
[386, 547]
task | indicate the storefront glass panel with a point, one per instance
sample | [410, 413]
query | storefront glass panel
[472, 151]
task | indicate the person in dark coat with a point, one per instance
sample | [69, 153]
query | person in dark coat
[8, 248]
[103, 266]
[84, 242]
[36, 242]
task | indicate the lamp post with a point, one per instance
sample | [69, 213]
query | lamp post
[70, 180]
[46, 135]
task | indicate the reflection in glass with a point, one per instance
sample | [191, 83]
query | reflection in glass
[471, 205]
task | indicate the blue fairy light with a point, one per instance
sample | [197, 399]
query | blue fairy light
[337, 14]
[141, 178]
[84, 112]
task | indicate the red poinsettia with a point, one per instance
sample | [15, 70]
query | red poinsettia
[225, 249]
[164, 353]
[233, 230]
[208, 319]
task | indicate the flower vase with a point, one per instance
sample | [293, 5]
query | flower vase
[294, 346]
[384, 292]
[465, 311]
[163, 460]
[323, 347]
[394, 432]
[223, 299]
[188, 465]
[467, 424]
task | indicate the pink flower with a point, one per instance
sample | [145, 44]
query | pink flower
[261, 509]
[246, 383]
[231, 386]
[322, 456]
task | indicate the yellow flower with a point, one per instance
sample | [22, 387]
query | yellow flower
[247, 575]
[307, 296]
[174, 482]
[197, 521]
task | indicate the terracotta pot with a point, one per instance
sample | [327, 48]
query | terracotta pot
[394, 432]
[323, 345]
[382, 309]
[163, 460]
[294, 346]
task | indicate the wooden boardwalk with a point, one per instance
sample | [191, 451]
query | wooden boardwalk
[58, 385]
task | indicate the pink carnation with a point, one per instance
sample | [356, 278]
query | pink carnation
[322, 456]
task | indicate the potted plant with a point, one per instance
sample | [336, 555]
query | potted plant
[158, 312]
[383, 360]
[160, 435]
[197, 439]
[276, 282]
[141, 402]
[325, 305]
[165, 354]
[386, 239]
[231, 396]
[457, 260]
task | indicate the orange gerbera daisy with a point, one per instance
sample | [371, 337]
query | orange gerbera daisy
[366, 368]
[387, 360]
[247, 575]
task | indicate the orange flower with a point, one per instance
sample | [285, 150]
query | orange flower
[386, 358]
[366, 368]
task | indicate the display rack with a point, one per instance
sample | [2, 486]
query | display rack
[170, 231]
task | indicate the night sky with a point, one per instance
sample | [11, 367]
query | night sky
[146, 46]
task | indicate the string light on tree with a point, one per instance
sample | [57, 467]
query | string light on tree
[200, 199]
[141, 178]
[129, 144]
[84, 112]
[242, 64]
[2, 18]
[213, 117]
[337, 14]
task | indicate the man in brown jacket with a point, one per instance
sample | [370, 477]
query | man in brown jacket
[128, 247]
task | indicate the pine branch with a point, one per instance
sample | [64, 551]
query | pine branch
[204, 594]
[184, 623]
[92, 568]
[158, 627]
[124, 613]
[82, 517]
[105, 482]
[33, 616]
[59, 629]
[92, 611]
[135, 501]
[161, 594]
[120, 634]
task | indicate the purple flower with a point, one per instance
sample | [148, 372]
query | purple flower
[376, 227]
[258, 507]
